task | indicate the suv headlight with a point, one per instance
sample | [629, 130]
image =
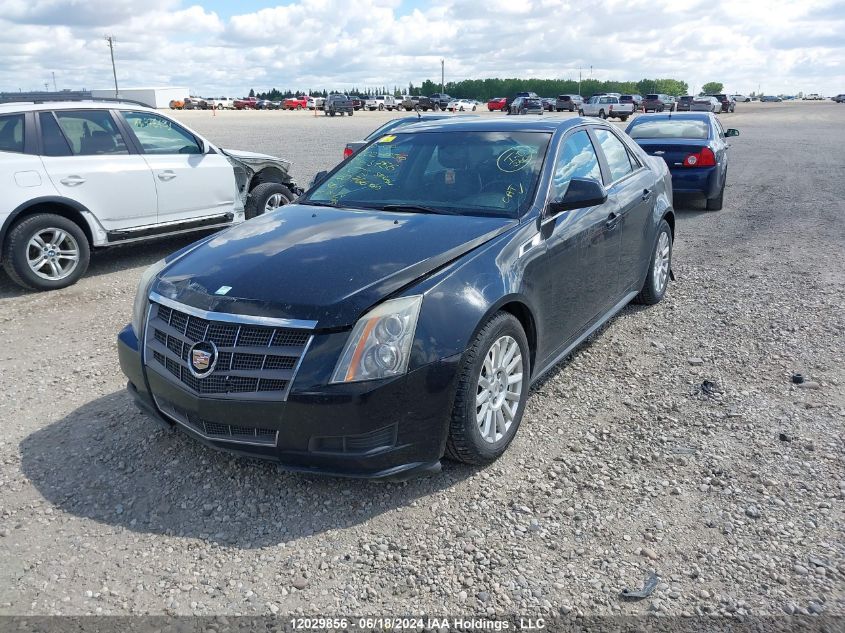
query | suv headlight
[380, 343]
[139, 309]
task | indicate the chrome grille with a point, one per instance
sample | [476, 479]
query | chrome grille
[253, 362]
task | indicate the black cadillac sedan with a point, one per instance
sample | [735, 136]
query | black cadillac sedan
[400, 310]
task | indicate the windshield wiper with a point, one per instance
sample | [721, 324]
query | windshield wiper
[414, 208]
[315, 203]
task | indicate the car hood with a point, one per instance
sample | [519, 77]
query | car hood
[256, 160]
[320, 263]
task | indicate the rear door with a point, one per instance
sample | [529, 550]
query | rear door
[630, 184]
[89, 161]
[190, 184]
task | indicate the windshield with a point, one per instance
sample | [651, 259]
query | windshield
[669, 128]
[465, 173]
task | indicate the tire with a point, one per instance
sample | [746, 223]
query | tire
[299, 107]
[580, 113]
[654, 289]
[18, 249]
[351, 112]
[602, 115]
[381, 106]
[716, 203]
[259, 200]
[332, 113]
[219, 106]
[623, 118]
[473, 108]
[465, 442]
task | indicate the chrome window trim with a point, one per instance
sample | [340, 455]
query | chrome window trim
[233, 318]
[569, 133]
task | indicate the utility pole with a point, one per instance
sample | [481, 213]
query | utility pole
[442, 75]
[46, 86]
[54, 82]
[111, 40]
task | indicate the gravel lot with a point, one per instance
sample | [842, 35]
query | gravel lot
[627, 461]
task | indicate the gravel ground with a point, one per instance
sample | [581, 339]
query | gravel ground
[672, 441]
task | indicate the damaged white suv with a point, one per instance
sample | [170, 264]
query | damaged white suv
[76, 175]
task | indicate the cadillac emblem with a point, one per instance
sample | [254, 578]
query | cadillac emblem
[202, 358]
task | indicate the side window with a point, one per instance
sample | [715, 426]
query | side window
[719, 129]
[615, 153]
[577, 159]
[11, 133]
[91, 132]
[158, 135]
[53, 141]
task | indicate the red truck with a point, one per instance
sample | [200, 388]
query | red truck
[295, 103]
[247, 103]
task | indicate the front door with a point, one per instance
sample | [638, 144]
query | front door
[88, 161]
[190, 184]
[581, 274]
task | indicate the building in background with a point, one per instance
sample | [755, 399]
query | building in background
[41, 95]
[153, 97]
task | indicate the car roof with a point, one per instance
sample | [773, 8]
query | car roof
[37, 106]
[683, 116]
[472, 124]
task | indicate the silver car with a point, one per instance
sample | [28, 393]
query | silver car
[706, 104]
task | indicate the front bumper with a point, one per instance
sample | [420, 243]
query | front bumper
[390, 429]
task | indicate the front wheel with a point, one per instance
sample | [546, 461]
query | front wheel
[659, 268]
[266, 197]
[46, 252]
[602, 115]
[491, 393]
[381, 106]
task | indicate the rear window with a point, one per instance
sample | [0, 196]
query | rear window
[686, 99]
[669, 128]
[564, 98]
[652, 97]
[626, 98]
[11, 133]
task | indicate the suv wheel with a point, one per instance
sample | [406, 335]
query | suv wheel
[46, 252]
[491, 393]
[266, 197]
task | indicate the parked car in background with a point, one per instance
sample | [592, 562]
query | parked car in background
[391, 125]
[357, 101]
[338, 104]
[526, 105]
[195, 103]
[549, 104]
[247, 103]
[770, 99]
[497, 104]
[384, 328]
[106, 173]
[381, 102]
[571, 103]
[177, 104]
[658, 103]
[741, 98]
[812, 97]
[727, 103]
[605, 107]
[315, 103]
[694, 147]
[422, 102]
[221, 103]
[441, 99]
[635, 99]
[463, 105]
[267, 104]
[839, 98]
[705, 103]
[524, 95]
[684, 103]
[295, 103]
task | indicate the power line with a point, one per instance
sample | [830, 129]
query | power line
[111, 39]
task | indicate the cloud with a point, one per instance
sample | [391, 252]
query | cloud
[784, 45]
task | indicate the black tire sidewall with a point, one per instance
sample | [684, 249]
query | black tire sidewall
[258, 198]
[481, 451]
[17, 243]
[656, 293]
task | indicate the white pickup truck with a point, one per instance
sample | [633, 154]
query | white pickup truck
[381, 102]
[227, 103]
[607, 106]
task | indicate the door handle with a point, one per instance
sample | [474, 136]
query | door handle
[612, 220]
[72, 181]
[646, 194]
[167, 174]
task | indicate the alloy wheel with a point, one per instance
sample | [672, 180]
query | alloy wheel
[274, 202]
[52, 254]
[499, 389]
[660, 271]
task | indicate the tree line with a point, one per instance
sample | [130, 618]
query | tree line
[484, 89]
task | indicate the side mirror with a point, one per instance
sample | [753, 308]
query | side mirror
[581, 193]
[318, 178]
[731, 132]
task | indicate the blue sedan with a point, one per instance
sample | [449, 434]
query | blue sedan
[695, 149]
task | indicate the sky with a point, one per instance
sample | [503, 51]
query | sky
[226, 47]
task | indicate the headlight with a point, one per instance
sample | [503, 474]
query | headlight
[142, 294]
[380, 343]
